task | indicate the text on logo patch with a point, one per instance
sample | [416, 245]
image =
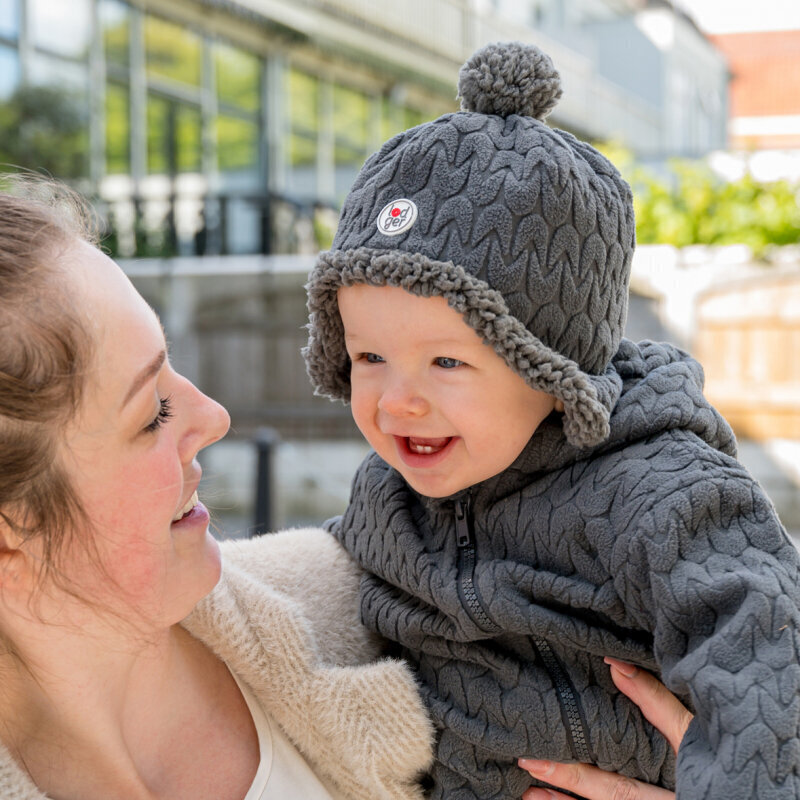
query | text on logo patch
[397, 217]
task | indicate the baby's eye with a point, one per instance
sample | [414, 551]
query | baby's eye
[372, 358]
[448, 363]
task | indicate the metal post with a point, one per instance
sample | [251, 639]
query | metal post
[265, 441]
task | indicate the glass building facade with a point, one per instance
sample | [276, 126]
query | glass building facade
[200, 134]
[237, 126]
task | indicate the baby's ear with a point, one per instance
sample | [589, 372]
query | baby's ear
[559, 406]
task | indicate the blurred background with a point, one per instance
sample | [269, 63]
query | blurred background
[218, 138]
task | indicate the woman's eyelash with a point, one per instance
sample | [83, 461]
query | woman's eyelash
[164, 413]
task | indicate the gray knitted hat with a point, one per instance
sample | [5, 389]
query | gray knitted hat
[525, 231]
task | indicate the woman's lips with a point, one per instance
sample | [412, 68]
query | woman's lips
[188, 506]
[420, 452]
[197, 516]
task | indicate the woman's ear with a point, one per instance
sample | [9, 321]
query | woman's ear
[12, 558]
[7, 537]
[559, 406]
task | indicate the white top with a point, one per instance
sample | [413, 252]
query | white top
[282, 771]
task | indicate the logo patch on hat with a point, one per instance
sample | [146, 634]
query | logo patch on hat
[397, 217]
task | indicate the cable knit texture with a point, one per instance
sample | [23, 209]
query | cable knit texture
[655, 547]
[284, 617]
[526, 230]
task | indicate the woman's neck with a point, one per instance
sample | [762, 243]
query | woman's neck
[107, 720]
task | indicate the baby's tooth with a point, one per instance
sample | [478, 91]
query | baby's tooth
[422, 449]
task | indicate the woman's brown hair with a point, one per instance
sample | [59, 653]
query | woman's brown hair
[45, 350]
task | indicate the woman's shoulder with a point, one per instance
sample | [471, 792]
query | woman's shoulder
[298, 554]
[301, 579]
[306, 566]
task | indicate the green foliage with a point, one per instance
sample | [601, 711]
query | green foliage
[695, 206]
[118, 159]
[172, 51]
[238, 77]
[44, 128]
[324, 224]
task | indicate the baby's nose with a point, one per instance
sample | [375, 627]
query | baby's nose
[403, 399]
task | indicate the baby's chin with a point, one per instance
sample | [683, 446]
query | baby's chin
[435, 487]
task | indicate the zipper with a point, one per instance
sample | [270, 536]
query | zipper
[570, 709]
[467, 590]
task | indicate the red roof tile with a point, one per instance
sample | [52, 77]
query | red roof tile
[765, 69]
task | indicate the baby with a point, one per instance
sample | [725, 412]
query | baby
[544, 493]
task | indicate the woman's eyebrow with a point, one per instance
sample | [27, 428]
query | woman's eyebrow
[141, 379]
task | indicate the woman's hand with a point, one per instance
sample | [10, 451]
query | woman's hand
[658, 705]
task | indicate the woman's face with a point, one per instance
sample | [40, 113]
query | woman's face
[130, 453]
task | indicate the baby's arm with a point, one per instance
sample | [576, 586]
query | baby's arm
[722, 593]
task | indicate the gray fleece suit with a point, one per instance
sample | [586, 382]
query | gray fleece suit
[626, 527]
[655, 547]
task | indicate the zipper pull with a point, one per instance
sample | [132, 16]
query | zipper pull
[463, 533]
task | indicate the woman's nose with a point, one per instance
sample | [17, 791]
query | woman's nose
[209, 423]
[218, 419]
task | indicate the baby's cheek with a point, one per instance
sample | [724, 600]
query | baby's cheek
[363, 409]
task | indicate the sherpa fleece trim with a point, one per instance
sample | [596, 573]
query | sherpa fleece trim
[588, 399]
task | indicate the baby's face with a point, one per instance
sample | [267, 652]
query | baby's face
[430, 397]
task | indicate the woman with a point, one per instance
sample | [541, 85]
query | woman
[132, 664]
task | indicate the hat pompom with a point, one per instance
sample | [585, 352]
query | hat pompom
[509, 78]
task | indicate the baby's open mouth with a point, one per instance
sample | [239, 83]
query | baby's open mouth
[427, 447]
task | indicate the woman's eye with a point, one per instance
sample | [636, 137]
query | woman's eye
[164, 413]
[372, 358]
[448, 363]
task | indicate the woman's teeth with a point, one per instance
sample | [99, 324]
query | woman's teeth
[187, 508]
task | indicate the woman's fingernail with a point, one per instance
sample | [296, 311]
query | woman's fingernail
[628, 670]
[538, 793]
[540, 768]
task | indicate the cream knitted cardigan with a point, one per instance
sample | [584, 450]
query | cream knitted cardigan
[284, 617]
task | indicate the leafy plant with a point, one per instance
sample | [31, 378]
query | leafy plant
[693, 205]
[45, 129]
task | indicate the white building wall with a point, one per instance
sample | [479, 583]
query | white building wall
[661, 92]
